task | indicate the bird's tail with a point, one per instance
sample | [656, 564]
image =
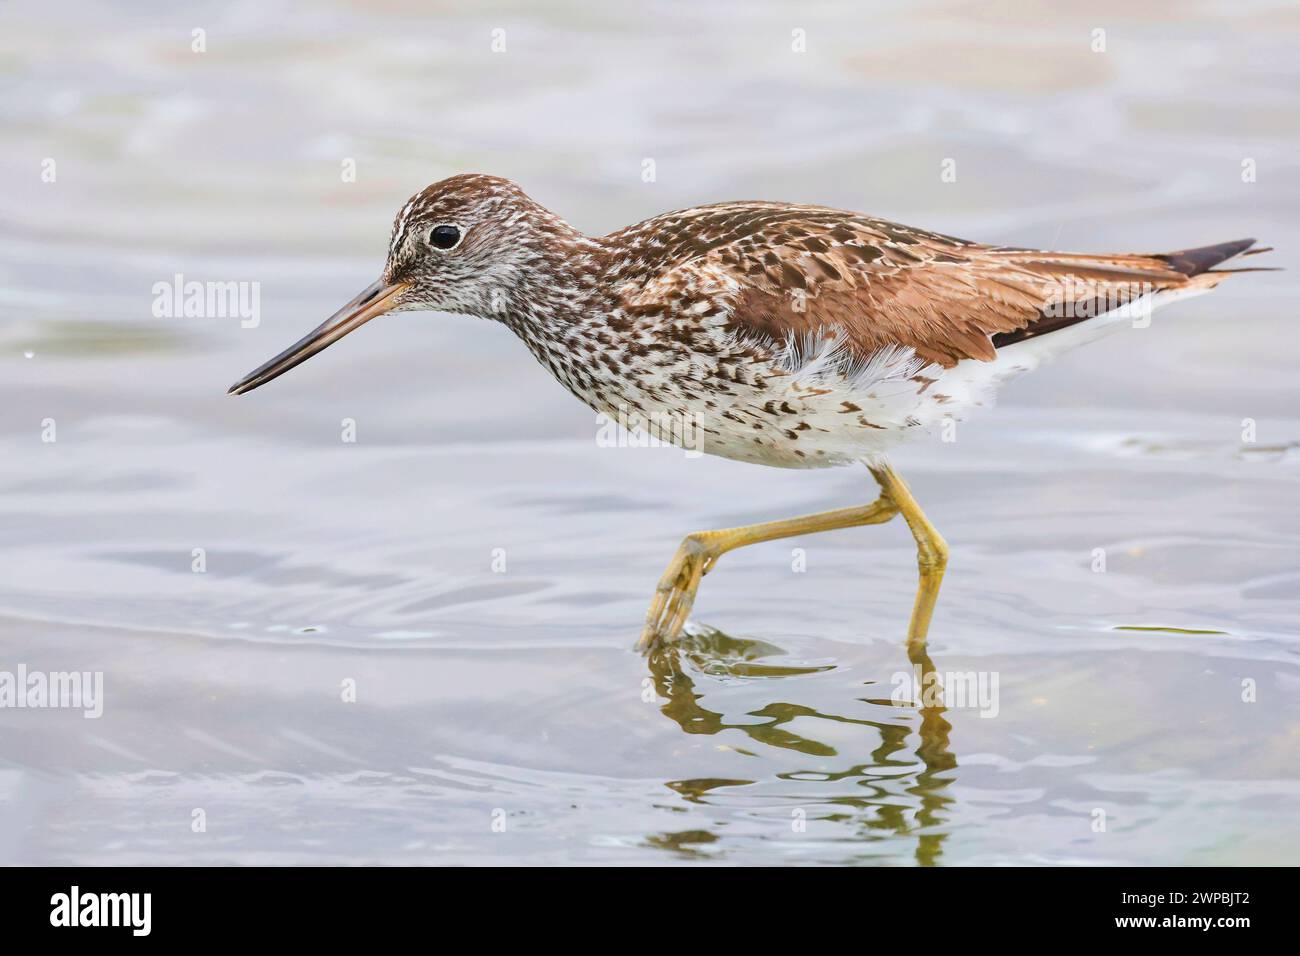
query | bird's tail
[1118, 287]
[1194, 262]
[1198, 264]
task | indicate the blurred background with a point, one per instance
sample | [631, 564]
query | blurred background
[475, 568]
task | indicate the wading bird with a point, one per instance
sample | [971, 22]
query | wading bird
[787, 335]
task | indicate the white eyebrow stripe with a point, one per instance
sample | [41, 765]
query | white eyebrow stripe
[399, 229]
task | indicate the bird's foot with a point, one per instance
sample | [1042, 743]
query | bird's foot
[675, 594]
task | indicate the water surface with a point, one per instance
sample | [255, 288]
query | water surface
[476, 567]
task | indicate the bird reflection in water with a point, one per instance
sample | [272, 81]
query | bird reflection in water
[884, 778]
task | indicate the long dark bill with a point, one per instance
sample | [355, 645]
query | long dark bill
[375, 300]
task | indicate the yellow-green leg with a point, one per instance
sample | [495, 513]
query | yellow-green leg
[700, 551]
[931, 550]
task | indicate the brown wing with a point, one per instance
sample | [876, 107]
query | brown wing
[808, 269]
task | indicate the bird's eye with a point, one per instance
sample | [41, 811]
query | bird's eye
[444, 237]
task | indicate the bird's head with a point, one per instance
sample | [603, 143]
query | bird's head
[470, 244]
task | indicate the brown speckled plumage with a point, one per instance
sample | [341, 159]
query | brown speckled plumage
[789, 335]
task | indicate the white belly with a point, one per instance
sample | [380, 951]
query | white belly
[818, 408]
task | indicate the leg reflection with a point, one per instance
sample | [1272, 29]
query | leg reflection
[923, 772]
[935, 756]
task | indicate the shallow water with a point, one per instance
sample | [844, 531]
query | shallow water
[477, 567]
